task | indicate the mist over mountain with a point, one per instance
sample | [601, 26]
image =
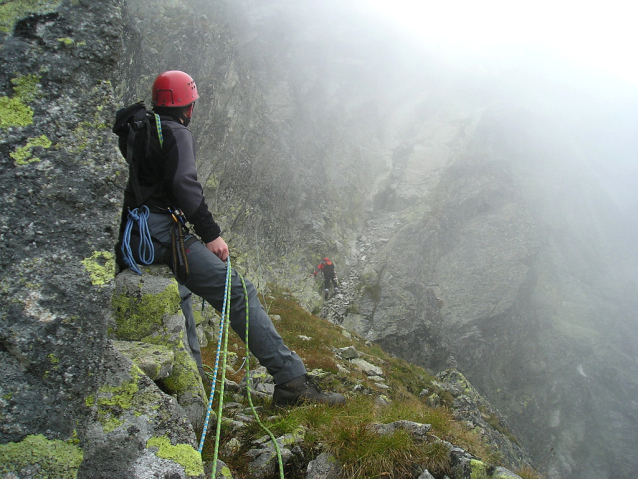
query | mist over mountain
[514, 180]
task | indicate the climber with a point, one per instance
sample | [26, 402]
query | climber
[327, 267]
[166, 182]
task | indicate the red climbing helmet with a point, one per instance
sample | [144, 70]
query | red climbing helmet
[174, 88]
[326, 259]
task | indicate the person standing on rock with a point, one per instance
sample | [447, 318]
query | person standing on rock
[327, 267]
[164, 186]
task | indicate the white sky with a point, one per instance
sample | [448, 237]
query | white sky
[600, 35]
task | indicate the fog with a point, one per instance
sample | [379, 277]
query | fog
[567, 61]
[549, 93]
[481, 123]
[599, 36]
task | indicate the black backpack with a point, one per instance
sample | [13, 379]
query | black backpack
[133, 127]
[328, 268]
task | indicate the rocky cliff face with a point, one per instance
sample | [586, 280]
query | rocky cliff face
[458, 227]
[61, 186]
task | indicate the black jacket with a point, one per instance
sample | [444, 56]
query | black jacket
[169, 178]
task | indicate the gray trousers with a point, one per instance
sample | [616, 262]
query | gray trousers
[208, 279]
[191, 326]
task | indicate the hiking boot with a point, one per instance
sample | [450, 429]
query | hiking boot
[326, 294]
[303, 389]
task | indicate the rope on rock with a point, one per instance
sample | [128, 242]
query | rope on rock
[222, 350]
[222, 327]
[250, 401]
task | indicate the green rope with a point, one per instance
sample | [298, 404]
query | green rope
[222, 326]
[250, 401]
[224, 352]
[223, 376]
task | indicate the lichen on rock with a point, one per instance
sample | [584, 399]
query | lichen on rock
[141, 304]
[12, 10]
[14, 111]
[24, 155]
[183, 454]
[100, 266]
[147, 309]
[54, 459]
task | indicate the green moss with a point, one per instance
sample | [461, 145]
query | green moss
[55, 459]
[478, 470]
[74, 438]
[13, 10]
[225, 472]
[184, 377]
[113, 401]
[139, 318]
[120, 396]
[25, 87]
[182, 454]
[90, 401]
[53, 359]
[101, 267]
[212, 182]
[66, 40]
[116, 403]
[13, 112]
[110, 423]
[7, 396]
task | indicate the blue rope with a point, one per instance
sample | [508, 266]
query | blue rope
[222, 326]
[223, 335]
[146, 250]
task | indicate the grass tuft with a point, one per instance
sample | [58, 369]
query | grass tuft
[437, 459]
[528, 472]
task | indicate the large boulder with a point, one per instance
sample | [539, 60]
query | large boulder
[136, 430]
[147, 310]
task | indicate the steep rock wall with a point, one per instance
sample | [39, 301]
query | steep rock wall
[61, 185]
[313, 122]
[70, 404]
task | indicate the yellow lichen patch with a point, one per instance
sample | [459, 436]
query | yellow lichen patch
[478, 470]
[24, 155]
[101, 267]
[115, 400]
[137, 318]
[54, 458]
[14, 111]
[182, 454]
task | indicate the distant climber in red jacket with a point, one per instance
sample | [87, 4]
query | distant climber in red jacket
[327, 267]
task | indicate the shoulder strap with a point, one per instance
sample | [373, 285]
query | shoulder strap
[134, 126]
[158, 126]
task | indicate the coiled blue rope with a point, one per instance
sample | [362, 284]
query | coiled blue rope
[146, 250]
